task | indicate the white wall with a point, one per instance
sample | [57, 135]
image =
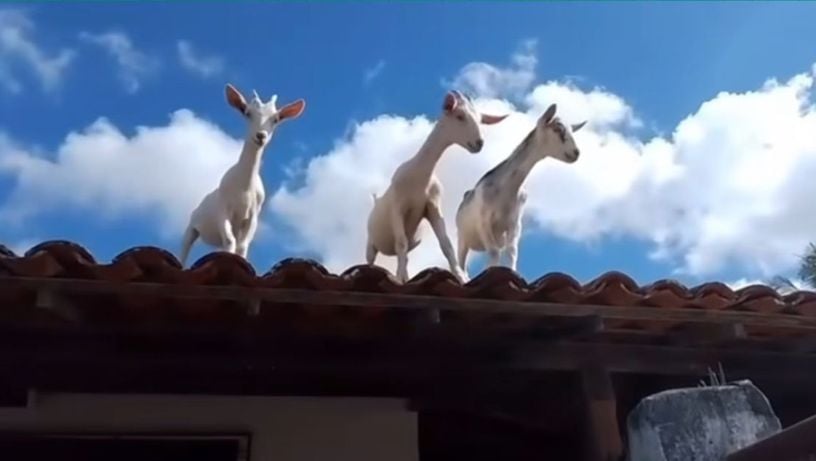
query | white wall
[283, 428]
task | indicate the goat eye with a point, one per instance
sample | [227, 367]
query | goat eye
[460, 117]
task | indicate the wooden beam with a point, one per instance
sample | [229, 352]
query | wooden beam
[697, 334]
[662, 360]
[795, 443]
[14, 396]
[396, 301]
[605, 442]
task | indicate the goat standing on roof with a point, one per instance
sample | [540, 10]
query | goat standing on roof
[227, 217]
[489, 217]
[415, 193]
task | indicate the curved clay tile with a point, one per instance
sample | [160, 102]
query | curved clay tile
[77, 262]
[613, 289]
[713, 295]
[435, 281]
[154, 264]
[757, 298]
[802, 303]
[149, 256]
[66, 252]
[665, 298]
[367, 278]
[555, 287]
[613, 278]
[669, 285]
[41, 264]
[5, 252]
[222, 268]
[304, 274]
[666, 293]
[498, 282]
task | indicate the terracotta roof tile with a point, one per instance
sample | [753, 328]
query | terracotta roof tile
[60, 259]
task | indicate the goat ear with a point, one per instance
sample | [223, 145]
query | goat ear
[493, 119]
[292, 110]
[236, 99]
[451, 101]
[548, 115]
[578, 126]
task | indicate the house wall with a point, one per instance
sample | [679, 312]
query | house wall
[283, 428]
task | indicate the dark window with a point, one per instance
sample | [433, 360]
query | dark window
[121, 447]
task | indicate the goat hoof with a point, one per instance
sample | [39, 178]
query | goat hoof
[461, 276]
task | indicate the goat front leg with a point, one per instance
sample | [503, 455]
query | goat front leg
[512, 247]
[434, 216]
[400, 244]
[514, 233]
[228, 242]
[462, 253]
[250, 226]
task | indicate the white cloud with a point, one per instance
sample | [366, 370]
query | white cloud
[134, 65]
[731, 187]
[17, 47]
[490, 81]
[199, 64]
[159, 172]
[373, 72]
[783, 287]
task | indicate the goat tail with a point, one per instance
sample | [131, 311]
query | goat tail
[190, 236]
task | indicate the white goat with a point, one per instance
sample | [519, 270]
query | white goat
[415, 193]
[227, 217]
[489, 217]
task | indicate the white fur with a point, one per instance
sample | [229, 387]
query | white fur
[415, 193]
[227, 217]
[489, 216]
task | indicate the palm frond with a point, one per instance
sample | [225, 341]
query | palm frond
[807, 267]
[782, 284]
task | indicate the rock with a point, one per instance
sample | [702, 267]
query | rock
[699, 424]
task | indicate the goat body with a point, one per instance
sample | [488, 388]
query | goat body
[415, 193]
[227, 217]
[489, 216]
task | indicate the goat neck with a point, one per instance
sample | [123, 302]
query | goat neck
[514, 170]
[249, 162]
[431, 151]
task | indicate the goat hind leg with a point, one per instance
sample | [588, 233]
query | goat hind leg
[462, 253]
[400, 245]
[246, 237]
[371, 253]
[434, 215]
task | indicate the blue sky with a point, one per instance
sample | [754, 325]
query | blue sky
[354, 62]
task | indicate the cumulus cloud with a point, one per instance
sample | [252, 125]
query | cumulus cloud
[18, 49]
[730, 187]
[160, 172]
[134, 65]
[204, 66]
[491, 81]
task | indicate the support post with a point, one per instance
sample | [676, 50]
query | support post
[604, 435]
